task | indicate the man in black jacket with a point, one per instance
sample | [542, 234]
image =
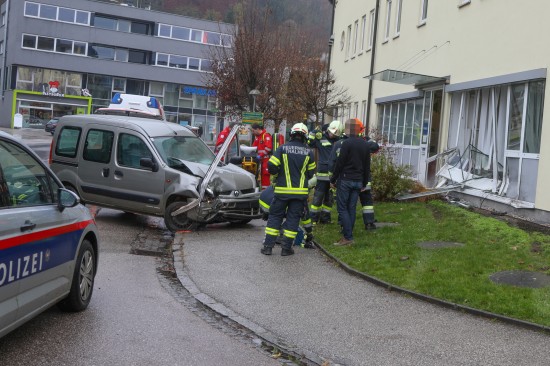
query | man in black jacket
[350, 177]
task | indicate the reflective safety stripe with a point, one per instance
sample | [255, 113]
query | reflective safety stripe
[368, 209]
[264, 205]
[271, 231]
[323, 143]
[323, 174]
[303, 172]
[285, 190]
[311, 166]
[314, 208]
[287, 172]
[290, 234]
[274, 160]
[306, 222]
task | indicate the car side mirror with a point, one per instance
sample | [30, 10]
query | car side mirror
[149, 163]
[66, 198]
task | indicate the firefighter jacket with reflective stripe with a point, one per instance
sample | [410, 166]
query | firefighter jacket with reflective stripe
[324, 148]
[294, 165]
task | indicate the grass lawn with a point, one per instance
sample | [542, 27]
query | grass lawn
[459, 274]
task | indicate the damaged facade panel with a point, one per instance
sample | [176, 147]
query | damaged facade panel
[496, 134]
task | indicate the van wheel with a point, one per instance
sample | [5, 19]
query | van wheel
[179, 222]
[82, 285]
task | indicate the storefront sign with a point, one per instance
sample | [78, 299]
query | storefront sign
[199, 91]
[51, 89]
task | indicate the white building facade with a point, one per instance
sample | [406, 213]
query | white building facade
[457, 88]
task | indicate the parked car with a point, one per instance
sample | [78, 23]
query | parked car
[48, 241]
[51, 125]
[151, 167]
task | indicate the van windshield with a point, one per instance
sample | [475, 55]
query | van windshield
[188, 148]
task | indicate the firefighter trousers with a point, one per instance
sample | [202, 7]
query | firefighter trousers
[293, 208]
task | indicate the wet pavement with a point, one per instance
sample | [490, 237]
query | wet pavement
[311, 306]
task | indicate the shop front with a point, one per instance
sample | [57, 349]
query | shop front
[38, 108]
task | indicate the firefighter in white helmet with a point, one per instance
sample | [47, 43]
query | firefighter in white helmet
[293, 164]
[323, 199]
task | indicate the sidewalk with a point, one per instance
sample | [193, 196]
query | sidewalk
[313, 307]
[33, 134]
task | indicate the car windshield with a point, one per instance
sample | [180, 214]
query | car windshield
[189, 148]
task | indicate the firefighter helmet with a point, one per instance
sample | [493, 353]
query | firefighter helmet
[335, 128]
[299, 128]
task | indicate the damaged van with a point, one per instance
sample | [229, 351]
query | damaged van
[151, 167]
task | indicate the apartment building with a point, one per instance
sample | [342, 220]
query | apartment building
[457, 90]
[61, 57]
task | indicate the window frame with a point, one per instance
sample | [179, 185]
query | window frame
[423, 12]
[388, 21]
[398, 18]
[371, 29]
[363, 33]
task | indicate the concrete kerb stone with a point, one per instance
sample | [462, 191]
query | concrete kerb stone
[433, 300]
[289, 351]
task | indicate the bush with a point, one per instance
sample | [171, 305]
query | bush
[389, 179]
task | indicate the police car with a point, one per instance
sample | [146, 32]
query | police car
[48, 240]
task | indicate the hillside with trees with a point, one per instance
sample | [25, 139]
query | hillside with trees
[312, 17]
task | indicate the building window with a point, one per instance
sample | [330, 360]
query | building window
[156, 89]
[45, 44]
[119, 85]
[371, 28]
[181, 33]
[55, 13]
[388, 21]
[363, 33]
[3, 19]
[1, 47]
[48, 12]
[355, 33]
[398, 17]
[121, 54]
[193, 35]
[424, 12]
[64, 46]
[364, 112]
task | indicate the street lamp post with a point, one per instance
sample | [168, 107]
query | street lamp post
[254, 92]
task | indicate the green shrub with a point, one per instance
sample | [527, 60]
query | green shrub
[389, 179]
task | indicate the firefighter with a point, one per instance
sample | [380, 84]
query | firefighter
[223, 135]
[264, 145]
[266, 197]
[321, 204]
[294, 165]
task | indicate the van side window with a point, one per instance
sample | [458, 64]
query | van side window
[67, 141]
[98, 146]
[23, 181]
[130, 149]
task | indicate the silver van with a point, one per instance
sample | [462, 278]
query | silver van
[151, 167]
[49, 243]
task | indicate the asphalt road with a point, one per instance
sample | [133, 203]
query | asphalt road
[131, 320]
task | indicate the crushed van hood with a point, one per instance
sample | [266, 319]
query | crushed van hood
[225, 178]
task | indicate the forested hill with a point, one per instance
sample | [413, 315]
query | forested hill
[310, 16]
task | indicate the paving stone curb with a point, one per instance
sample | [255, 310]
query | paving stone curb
[305, 356]
[433, 300]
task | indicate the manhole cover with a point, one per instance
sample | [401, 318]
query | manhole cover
[386, 224]
[439, 244]
[521, 278]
